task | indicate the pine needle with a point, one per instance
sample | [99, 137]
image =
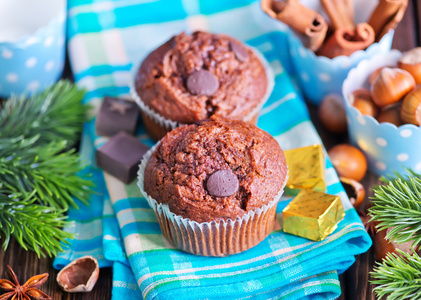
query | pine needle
[398, 277]
[397, 206]
[35, 227]
[40, 172]
[48, 170]
[56, 114]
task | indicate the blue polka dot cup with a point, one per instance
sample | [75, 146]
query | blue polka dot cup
[388, 148]
[32, 45]
[319, 76]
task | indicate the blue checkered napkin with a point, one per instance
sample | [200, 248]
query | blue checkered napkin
[106, 38]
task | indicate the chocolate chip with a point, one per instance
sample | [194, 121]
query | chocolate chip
[202, 82]
[222, 183]
[239, 51]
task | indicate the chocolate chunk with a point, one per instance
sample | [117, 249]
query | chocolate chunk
[239, 51]
[202, 82]
[121, 156]
[119, 106]
[116, 115]
[222, 183]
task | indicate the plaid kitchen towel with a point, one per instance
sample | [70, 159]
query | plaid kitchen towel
[106, 39]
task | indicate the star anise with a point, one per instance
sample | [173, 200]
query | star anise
[29, 290]
[118, 106]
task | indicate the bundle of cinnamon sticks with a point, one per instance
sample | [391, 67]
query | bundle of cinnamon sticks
[340, 36]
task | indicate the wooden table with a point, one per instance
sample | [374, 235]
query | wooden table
[354, 281]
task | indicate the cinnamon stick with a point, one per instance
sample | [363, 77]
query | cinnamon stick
[300, 18]
[346, 41]
[340, 12]
[387, 15]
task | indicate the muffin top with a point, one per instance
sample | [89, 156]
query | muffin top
[217, 169]
[192, 77]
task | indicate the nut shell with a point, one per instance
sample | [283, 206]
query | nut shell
[382, 246]
[390, 114]
[391, 85]
[376, 73]
[411, 108]
[80, 275]
[354, 190]
[361, 100]
[405, 247]
[348, 161]
[411, 62]
[332, 113]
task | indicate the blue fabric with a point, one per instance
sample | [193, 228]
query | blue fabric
[109, 38]
[124, 283]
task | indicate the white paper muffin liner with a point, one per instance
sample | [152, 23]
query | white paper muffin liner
[388, 148]
[215, 238]
[157, 125]
[319, 76]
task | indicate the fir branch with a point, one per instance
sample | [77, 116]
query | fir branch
[405, 176]
[398, 206]
[398, 277]
[35, 227]
[48, 170]
[39, 176]
[57, 113]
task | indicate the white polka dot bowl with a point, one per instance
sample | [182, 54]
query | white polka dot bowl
[319, 76]
[388, 148]
[32, 44]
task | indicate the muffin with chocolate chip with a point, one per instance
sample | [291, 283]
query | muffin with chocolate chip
[193, 77]
[214, 185]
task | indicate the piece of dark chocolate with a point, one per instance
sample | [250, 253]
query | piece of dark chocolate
[239, 51]
[116, 115]
[202, 82]
[121, 156]
[222, 183]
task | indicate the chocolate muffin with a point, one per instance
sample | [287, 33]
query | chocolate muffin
[219, 171]
[193, 77]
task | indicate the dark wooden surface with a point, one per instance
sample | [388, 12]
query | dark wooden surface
[354, 282]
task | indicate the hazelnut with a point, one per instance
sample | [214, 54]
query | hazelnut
[411, 62]
[80, 275]
[411, 107]
[332, 113]
[376, 73]
[405, 247]
[383, 246]
[391, 85]
[361, 100]
[390, 114]
[354, 190]
[348, 161]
